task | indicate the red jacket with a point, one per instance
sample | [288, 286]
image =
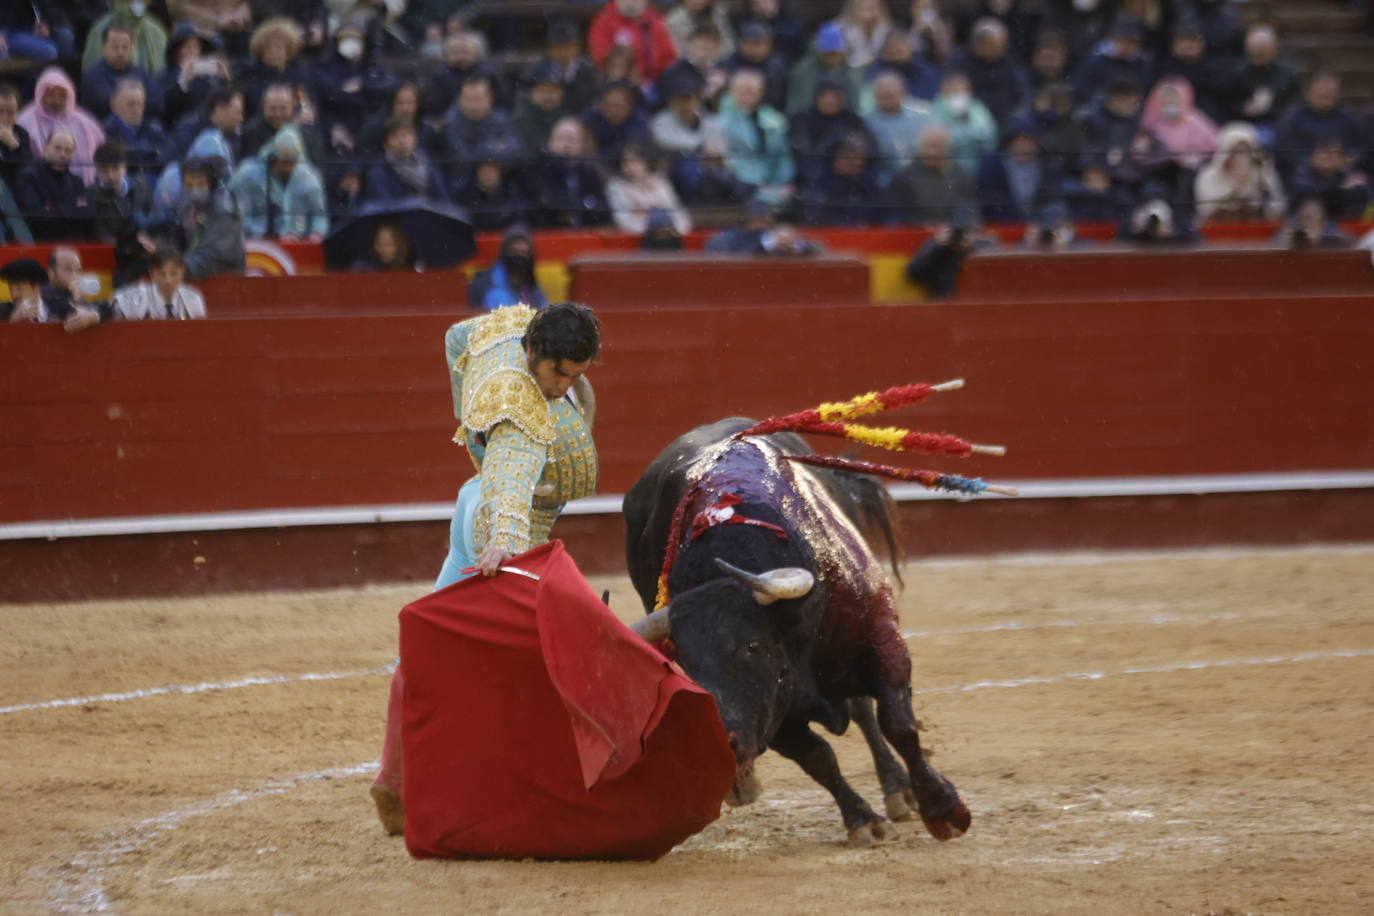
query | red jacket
[647, 34]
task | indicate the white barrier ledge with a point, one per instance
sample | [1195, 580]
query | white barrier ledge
[1069, 488]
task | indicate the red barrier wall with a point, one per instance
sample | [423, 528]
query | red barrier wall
[169, 417]
[715, 281]
[439, 292]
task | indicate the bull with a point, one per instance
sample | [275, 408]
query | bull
[781, 609]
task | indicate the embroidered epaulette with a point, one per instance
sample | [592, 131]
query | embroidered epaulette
[497, 385]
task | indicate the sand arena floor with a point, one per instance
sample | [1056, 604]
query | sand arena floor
[1189, 733]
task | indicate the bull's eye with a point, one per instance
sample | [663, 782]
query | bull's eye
[753, 648]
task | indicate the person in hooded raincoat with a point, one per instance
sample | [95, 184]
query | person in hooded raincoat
[54, 108]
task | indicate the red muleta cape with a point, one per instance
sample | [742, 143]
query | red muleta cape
[537, 725]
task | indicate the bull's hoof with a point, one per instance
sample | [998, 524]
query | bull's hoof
[871, 834]
[900, 805]
[951, 824]
[389, 810]
[745, 791]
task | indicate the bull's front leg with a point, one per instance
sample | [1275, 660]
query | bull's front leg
[940, 806]
[898, 798]
[798, 743]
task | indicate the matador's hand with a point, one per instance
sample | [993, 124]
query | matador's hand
[490, 559]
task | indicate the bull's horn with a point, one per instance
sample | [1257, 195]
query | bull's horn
[773, 585]
[653, 628]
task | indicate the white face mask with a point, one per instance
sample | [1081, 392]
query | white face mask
[1086, 6]
[137, 9]
[351, 48]
[1172, 111]
[959, 103]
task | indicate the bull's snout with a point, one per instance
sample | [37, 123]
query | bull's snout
[747, 787]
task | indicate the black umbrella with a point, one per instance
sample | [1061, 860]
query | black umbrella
[439, 234]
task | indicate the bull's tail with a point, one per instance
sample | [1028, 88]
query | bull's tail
[875, 513]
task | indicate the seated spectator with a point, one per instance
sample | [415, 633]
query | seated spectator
[1310, 226]
[208, 230]
[866, 25]
[275, 50]
[639, 190]
[280, 194]
[632, 24]
[756, 52]
[52, 196]
[164, 295]
[1240, 182]
[828, 60]
[615, 122]
[681, 128]
[54, 108]
[687, 16]
[1061, 135]
[931, 34]
[404, 104]
[150, 38]
[511, 280]
[972, 130]
[1121, 59]
[936, 264]
[278, 110]
[1187, 135]
[563, 49]
[390, 250]
[464, 59]
[1092, 196]
[1155, 191]
[120, 207]
[812, 133]
[660, 233]
[13, 229]
[1262, 87]
[349, 81]
[115, 64]
[541, 106]
[147, 148]
[569, 188]
[1210, 77]
[194, 67]
[789, 37]
[1019, 185]
[994, 77]
[1329, 174]
[473, 123]
[846, 193]
[747, 236]
[36, 30]
[700, 63]
[1221, 28]
[934, 186]
[16, 149]
[753, 138]
[621, 66]
[1021, 18]
[896, 124]
[217, 140]
[25, 277]
[919, 79]
[64, 297]
[221, 114]
[1320, 114]
[1110, 127]
[1049, 63]
[404, 171]
[490, 193]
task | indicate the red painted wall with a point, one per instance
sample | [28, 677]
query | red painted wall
[154, 417]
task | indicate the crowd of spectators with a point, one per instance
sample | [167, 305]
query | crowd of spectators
[191, 124]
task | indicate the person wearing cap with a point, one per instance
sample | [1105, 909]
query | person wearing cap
[756, 52]
[828, 60]
[25, 278]
[1121, 58]
[280, 194]
[540, 106]
[150, 38]
[636, 25]
[193, 68]
[997, 80]
[563, 50]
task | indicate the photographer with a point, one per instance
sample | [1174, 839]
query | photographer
[935, 266]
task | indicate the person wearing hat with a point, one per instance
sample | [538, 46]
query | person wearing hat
[193, 68]
[563, 50]
[827, 60]
[814, 132]
[846, 193]
[540, 106]
[280, 194]
[25, 278]
[682, 127]
[756, 52]
[1121, 58]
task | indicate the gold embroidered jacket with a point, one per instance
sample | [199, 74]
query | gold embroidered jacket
[533, 455]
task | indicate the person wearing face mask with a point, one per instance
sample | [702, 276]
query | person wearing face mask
[120, 206]
[208, 230]
[636, 25]
[511, 280]
[350, 82]
[972, 130]
[150, 38]
[1187, 135]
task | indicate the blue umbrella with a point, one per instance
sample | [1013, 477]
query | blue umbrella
[439, 234]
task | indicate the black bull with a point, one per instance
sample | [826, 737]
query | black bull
[776, 664]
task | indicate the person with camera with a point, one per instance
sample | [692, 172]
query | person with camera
[935, 266]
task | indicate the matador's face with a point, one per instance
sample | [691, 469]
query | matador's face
[555, 377]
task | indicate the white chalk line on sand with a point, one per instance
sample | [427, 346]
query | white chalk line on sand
[205, 687]
[81, 887]
[1156, 620]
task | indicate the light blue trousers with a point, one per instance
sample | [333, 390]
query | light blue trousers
[461, 552]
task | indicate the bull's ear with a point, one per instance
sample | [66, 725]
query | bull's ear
[773, 585]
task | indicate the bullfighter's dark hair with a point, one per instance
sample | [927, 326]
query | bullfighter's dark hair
[564, 330]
